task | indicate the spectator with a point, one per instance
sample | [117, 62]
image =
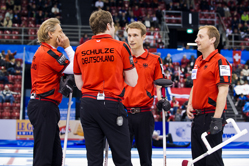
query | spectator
[10, 4]
[146, 44]
[137, 12]
[178, 115]
[56, 15]
[147, 21]
[7, 95]
[227, 11]
[1, 21]
[188, 82]
[175, 78]
[154, 21]
[9, 14]
[159, 14]
[192, 61]
[246, 111]
[31, 10]
[220, 10]
[18, 68]
[17, 5]
[186, 70]
[178, 7]
[17, 18]
[236, 35]
[244, 17]
[123, 20]
[131, 18]
[55, 9]
[39, 17]
[174, 105]
[84, 38]
[167, 59]
[46, 10]
[160, 43]
[170, 69]
[99, 4]
[167, 75]
[170, 6]
[235, 23]
[11, 66]
[7, 23]
[2, 55]
[184, 61]
[10, 55]
[3, 75]
[237, 15]
[245, 71]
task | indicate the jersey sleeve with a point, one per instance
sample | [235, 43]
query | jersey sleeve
[127, 57]
[57, 61]
[159, 72]
[223, 72]
[76, 68]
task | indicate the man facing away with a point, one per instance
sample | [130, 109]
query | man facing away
[101, 66]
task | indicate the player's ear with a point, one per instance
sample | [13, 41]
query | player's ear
[213, 39]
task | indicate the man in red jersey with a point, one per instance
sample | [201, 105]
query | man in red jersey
[211, 77]
[101, 67]
[47, 67]
[139, 99]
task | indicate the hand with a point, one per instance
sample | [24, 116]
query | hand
[189, 112]
[66, 87]
[163, 103]
[216, 125]
[63, 41]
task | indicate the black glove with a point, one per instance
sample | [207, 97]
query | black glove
[216, 125]
[66, 87]
[163, 103]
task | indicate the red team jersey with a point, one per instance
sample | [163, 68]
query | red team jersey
[149, 68]
[101, 61]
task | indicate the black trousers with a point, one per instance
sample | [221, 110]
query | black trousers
[141, 125]
[44, 116]
[99, 119]
[200, 124]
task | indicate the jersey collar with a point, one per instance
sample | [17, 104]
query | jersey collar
[144, 55]
[47, 45]
[210, 56]
[101, 36]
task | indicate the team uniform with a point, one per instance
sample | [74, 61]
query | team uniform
[101, 62]
[138, 101]
[43, 111]
[207, 75]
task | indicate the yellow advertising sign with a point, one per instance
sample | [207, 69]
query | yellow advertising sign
[24, 130]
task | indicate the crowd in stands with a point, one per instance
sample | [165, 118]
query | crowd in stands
[147, 11]
[27, 13]
[10, 85]
[241, 77]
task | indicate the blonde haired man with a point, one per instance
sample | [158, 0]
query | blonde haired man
[47, 67]
[207, 102]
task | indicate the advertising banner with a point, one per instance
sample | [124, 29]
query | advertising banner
[24, 130]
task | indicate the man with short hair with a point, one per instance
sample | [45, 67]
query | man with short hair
[101, 67]
[139, 99]
[207, 101]
[48, 65]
